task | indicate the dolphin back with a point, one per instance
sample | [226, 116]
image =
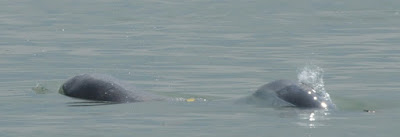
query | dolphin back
[102, 88]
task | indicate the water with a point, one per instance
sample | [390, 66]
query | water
[219, 50]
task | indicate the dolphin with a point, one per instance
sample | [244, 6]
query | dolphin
[289, 93]
[97, 87]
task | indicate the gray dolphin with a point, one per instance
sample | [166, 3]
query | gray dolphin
[106, 88]
[103, 88]
[289, 93]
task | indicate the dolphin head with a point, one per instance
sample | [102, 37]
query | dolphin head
[90, 87]
[297, 94]
[301, 96]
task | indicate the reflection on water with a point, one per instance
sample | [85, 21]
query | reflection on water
[89, 103]
[309, 118]
[315, 119]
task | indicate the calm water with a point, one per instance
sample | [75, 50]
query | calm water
[215, 49]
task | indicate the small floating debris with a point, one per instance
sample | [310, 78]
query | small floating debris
[190, 100]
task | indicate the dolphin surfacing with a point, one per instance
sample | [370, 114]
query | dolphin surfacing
[98, 87]
[279, 93]
[289, 93]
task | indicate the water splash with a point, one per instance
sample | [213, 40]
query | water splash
[40, 89]
[312, 75]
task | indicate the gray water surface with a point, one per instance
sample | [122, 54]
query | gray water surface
[219, 50]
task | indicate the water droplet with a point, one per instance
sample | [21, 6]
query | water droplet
[311, 118]
[324, 105]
